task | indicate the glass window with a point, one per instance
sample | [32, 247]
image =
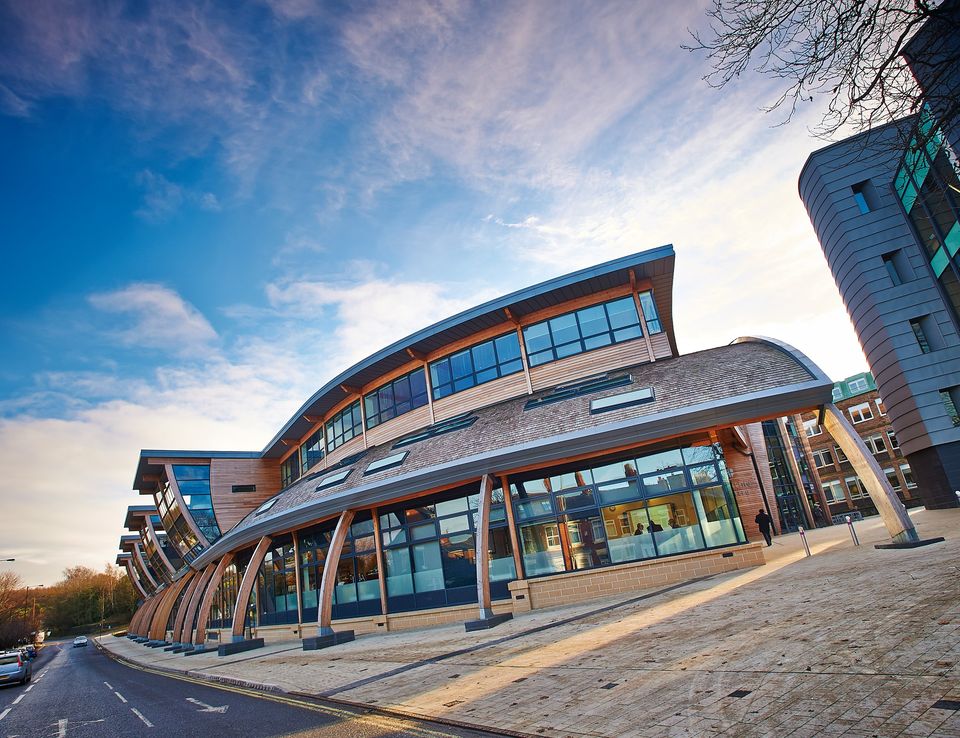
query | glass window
[894, 443]
[861, 412]
[629, 537]
[675, 524]
[311, 451]
[719, 516]
[427, 566]
[892, 477]
[582, 330]
[650, 312]
[834, 491]
[395, 398]
[343, 426]
[812, 428]
[951, 402]
[542, 553]
[875, 444]
[289, 470]
[822, 458]
[908, 476]
[480, 363]
[855, 487]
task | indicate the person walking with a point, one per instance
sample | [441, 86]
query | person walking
[763, 522]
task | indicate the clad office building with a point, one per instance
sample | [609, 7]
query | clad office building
[886, 208]
[548, 446]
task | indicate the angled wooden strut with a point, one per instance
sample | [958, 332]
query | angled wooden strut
[203, 614]
[482, 556]
[329, 580]
[186, 630]
[158, 630]
[181, 613]
[246, 587]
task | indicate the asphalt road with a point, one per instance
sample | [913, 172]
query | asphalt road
[82, 693]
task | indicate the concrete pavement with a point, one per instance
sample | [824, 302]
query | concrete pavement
[852, 641]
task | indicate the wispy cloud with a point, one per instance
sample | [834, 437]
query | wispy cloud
[163, 198]
[157, 317]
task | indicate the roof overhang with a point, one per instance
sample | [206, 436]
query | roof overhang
[730, 411]
[136, 515]
[655, 265]
[151, 463]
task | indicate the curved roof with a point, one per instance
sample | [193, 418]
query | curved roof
[750, 379]
[654, 264]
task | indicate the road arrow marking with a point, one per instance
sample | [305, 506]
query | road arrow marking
[208, 708]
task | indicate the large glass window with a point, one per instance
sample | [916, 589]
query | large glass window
[430, 551]
[395, 398]
[357, 589]
[277, 584]
[311, 452]
[343, 426]
[289, 470]
[658, 504]
[650, 312]
[194, 483]
[175, 524]
[582, 330]
[481, 363]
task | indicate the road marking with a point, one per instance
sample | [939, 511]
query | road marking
[122, 699]
[206, 707]
[139, 714]
[62, 728]
[108, 685]
[17, 701]
[4, 713]
[28, 688]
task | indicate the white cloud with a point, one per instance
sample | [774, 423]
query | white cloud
[160, 318]
[163, 198]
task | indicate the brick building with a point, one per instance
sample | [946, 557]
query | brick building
[858, 398]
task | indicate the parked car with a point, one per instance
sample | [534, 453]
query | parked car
[79, 641]
[31, 651]
[14, 667]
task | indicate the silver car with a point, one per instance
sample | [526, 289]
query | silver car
[14, 667]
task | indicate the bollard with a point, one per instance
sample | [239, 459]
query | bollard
[803, 537]
[853, 532]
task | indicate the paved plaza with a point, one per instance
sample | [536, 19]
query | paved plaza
[852, 641]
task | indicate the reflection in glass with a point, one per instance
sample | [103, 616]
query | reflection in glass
[588, 543]
[541, 549]
[674, 522]
[629, 537]
[719, 516]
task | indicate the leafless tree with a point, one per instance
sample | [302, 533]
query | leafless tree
[850, 54]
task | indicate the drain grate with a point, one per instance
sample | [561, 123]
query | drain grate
[740, 693]
[947, 704]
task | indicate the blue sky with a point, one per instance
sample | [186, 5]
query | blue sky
[209, 210]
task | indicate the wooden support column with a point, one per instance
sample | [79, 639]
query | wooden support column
[246, 587]
[482, 557]
[203, 614]
[523, 348]
[892, 511]
[138, 616]
[326, 636]
[186, 630]
[512, 526]
[158, 630]
[148, 616]
[184, 607]
[143, 564]
[643, 318]
[381, 561]
[795, 470]
[131, 572]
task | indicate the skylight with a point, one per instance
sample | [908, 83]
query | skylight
[387, 462]
[566, 391]
[333, 479]
[458, 422]
[624, 399]
[266, 505]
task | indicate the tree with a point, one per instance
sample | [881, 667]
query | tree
[850, 54]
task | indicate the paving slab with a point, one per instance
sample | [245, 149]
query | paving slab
[850, 641]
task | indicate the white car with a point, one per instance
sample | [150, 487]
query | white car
[79, 641]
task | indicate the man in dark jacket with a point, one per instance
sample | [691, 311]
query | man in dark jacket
[763, 521]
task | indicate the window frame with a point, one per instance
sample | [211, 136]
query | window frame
[441, 387]
[386, 411]
[859, 410]
[334, 439]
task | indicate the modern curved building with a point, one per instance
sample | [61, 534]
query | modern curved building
[547, 446]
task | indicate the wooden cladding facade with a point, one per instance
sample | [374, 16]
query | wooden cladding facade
[590, 362]
[231, 507]
[489, 393]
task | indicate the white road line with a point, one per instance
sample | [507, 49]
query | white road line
[136, 712]
[17, 701]
[4, 713]
[108, 685]
[122, 698]
[28, 688]
[62, 728]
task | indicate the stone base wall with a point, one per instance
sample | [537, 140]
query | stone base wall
[564, 589]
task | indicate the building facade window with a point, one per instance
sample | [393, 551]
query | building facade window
[891, 266]
[875, 444]
[907, 473]
[837, 394]
[194, 483]
[582, 330]
[894, 443]
[357, 589]
[841, 457]
[920, 328]
[881, 408]
[865, 196]
[950, 398]
[855, 487]
[344, 426]
[430, 550]
[659, 504]
[483, 362]
[395, 398]
[649, 308]
[860, 413]
[311, 451]
[812, 428]
[893, 479]
[858, 385]
[834, 491]
[289, 470]
[276, 590]
[822, 458]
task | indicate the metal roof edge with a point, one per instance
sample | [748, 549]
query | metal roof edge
[641, 257]
[647, 428]
[794, 353]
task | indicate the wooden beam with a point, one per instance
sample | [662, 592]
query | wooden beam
[510, 316]
[482, 555]
[312, 419]
[158, 630]
[350, 389]
[633, 280]
[203, 615]
[329, 580]
[246, 587]
[415, 354]
[186, 629]
[184, 607]
[381, 562]
[288, 442]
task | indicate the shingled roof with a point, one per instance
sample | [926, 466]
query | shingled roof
[749, 379]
